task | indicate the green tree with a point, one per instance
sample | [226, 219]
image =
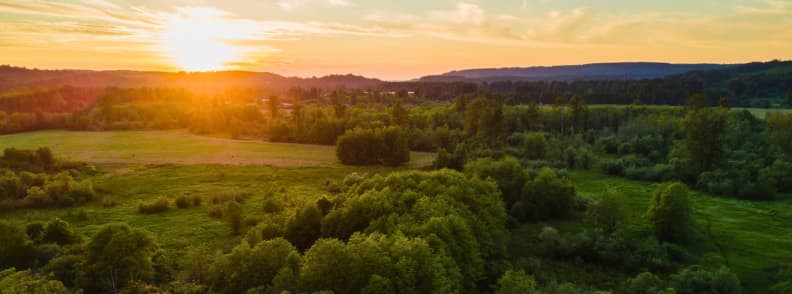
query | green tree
[59, 232]
[462, 218]
[247, 268]
[547, 195]
[116, 256]
[232, 212]
[535, 146]
[23, 282]
[395, 150]
[196, 262]
[646, 282]
[578, 110]
[671, 213]
[516, 282]
[16, 249]
[305, 228]
[607, 213]
[274, 105]
[507, 173]
[699, 280]
[704, 136]
[399, 115]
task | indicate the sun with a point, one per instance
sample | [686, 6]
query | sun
[198, 40]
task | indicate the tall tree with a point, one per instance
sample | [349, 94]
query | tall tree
[578, 110]
[671, 213]
[274, 105]
[399, 115]
[705, 130]
[118, 255]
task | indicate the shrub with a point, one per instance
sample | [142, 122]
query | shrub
[548, 195]
[507, 174]
[108, 203]
[612, 167]
[671, 213]
[155, 206]
[232, 212]
[227, 196]
[535, 146]
[516, 282]
[551, 240]
[607, 213]
[36, 197]
[183, 202]
[251, 221]
[83, 191]
[59, 232]
[354, 178]
[215, 211]
[696, 279]
[272, 205]
[196, 200]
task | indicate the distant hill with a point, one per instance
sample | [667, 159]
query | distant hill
[594, 71]
[20, 78]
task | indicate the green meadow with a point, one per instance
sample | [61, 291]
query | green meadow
[179, 147]
[138, 166]
[751, 237]
[135, 167]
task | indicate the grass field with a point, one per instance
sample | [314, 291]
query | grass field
[751, 236]
[179, 147]
[143, 165]
[176, 228]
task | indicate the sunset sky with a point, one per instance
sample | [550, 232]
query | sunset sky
[386, 39]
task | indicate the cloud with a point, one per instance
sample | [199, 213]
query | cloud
[339, 2]
[292, 5]
[768, 7]
[470, 22]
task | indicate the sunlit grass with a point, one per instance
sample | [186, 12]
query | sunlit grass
[179, 147]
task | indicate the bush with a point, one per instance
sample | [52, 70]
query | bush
[607, 213]
[548, 195]
[156, 206]
[183, 202]
[535, 146]
[215, 211]
[671, 213]
[226, 196]
[696, 279]
[551, 241]
[507, 174]
[196, 200]
[516, 282]
[354, 179]
[272, 205]
[232, 212]
[59, 232]
[612, 167]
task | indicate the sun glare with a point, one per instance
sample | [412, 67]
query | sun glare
[198, 40]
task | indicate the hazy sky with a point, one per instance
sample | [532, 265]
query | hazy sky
[395, 39]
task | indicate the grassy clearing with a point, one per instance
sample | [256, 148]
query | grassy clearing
[175, 229]
[179, 147]
[762, 112]
[752, 237]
